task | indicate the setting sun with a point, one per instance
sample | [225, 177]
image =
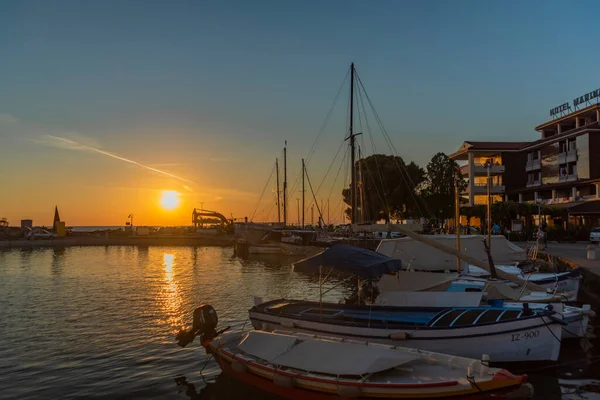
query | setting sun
[169, 199]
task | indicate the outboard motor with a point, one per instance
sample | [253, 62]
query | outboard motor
[204, 324]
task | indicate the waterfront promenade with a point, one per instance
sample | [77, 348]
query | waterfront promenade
[575, 253]
[191, 240]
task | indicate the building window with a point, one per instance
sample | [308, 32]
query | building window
[482, 199]
[481, 161]
[563, 171]
[562, 147]
[533, 177]
[482, 180]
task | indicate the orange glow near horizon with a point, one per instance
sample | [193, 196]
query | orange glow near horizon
[169, 199]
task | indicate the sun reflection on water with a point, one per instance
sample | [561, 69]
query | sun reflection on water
[171, 298]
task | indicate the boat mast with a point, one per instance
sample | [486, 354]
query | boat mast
[359, 187]
[352, 148]
[285, 184]
[303, 173]
[457, 216]
[278, 200]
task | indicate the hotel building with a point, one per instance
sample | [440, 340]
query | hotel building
[561, 168]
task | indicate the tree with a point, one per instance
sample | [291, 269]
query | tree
[388, 186]
[438, 189]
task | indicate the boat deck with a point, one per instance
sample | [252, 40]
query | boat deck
[432, 317]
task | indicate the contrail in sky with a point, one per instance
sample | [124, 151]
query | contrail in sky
[82, 146]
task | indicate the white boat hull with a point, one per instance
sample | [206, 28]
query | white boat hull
[291, 249]
[531, 339]
[258, 249]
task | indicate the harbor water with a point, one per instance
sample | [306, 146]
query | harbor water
[100, 322]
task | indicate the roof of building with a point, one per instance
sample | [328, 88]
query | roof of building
[487, 146]
[517, 146]
[495, 145]
[560, 118]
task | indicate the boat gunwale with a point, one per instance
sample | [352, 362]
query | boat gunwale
[387, 336]
[346, 382]
[261, 309]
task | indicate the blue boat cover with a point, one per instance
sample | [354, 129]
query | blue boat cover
[349, 260]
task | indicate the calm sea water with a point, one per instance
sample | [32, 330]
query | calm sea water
[100, 322]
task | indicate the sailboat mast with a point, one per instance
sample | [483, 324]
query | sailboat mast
[352, 149]
[278, 200]
[303, 173]
[457, 216]
[285, 184]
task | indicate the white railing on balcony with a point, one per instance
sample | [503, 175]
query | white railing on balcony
[533, 183]
[567, 178]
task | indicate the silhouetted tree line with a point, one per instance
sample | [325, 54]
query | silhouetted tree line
[390, 189]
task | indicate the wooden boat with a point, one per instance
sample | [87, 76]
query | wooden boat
[506, 334]
[301, 366]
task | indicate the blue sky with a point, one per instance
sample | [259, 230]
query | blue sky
[209, 90]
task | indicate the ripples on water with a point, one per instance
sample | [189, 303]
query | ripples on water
[95, 322]
[101, 322]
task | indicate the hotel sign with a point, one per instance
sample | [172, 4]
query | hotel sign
[560, 109]
[586, 97]
[576, 102]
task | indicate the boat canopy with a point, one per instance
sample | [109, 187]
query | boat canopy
[323, 356]
[350, 260]
[421, 256]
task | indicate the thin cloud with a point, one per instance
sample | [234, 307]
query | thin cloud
[73, 145]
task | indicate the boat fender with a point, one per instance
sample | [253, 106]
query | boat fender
[587, 310]
[399, 336]
[239, 366]
[283, 380]
[484, 365]
[350, 392]
[288, 324]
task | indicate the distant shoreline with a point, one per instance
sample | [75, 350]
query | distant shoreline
[199, 240]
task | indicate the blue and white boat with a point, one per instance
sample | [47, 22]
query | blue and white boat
[505, 334]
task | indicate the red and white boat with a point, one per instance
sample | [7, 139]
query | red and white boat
[301, 366]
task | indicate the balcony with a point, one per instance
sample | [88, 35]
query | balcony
[533, 183]
[567, 156]
[482, 189]
[480, 169]
[533, 165]
[567, 178]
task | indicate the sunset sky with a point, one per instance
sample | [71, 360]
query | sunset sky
[105, 105]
